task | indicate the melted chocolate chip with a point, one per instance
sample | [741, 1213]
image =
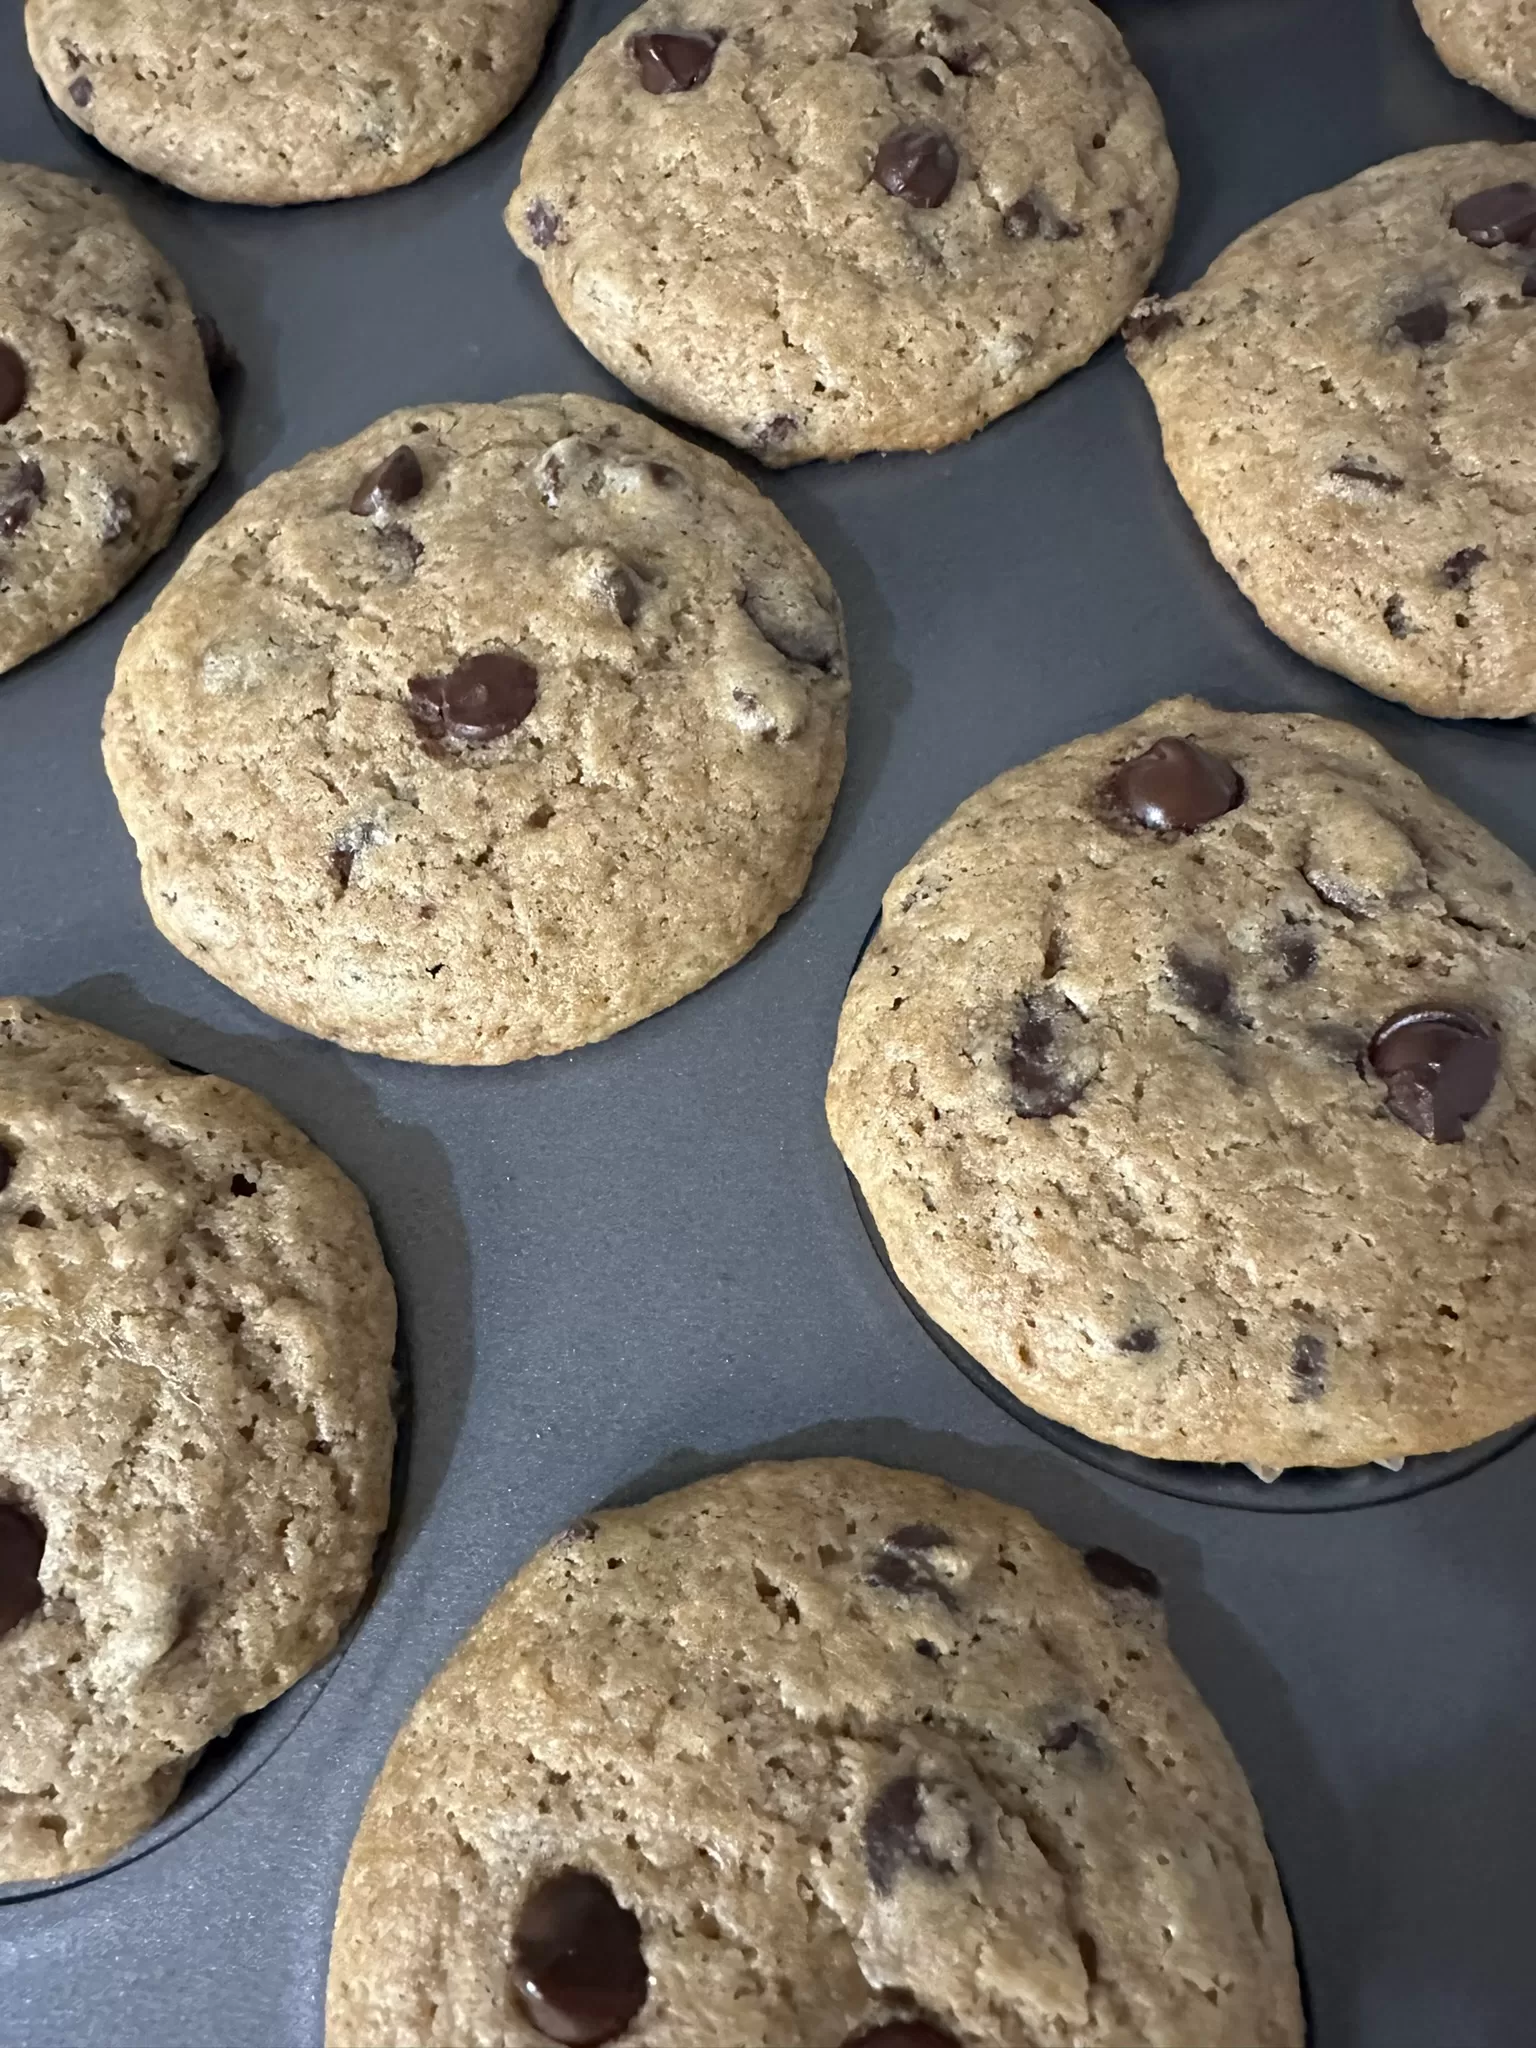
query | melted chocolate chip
[543, 224]
[217, 354]
[7, 1167]
[1439, 1067]
[81, 91]
[1424, 325]
[913, 1826]
[795, 625]
[1456, 571]
[1121, 1576]
[13, 383]
[775, 432]
[1034, 217]
[22, 1542]
[901, 1564]
[1354, 469]
[577, 1961]
[673, 60]
[919, 165]
[485, 697]
[1397, 621]
[1298, 951]
[1175, 786]
[1047, 1072]
[1309, 1369]
[1201, 985]
[1151, 320]
[1062, 1738]
[1140, 1339]
[22, 490]
[118, 517]
[903, 2034]
[1499, 214]
[395, 482]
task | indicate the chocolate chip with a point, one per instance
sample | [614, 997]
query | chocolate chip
[1049, 1063]
[903, 2034]
[622, 589]
[13, 383]
[81, 91]
[485, 697]
[239, 1185]
[1356, 470]
[901, 1564]
[674, 60]
[118, 517]
[577, 1961]
[1501, 213]
[794, 623]
[1201, 985]
[775, 432]
[1121, 1576]
[1398, 624]
[22, 1542]
[1456, 571]
[1062, 1738]
[1033, 216]
[217, 354]
[543, 224]
[1151, 320]
[1439, 1067]
[22, 490]
[1423, 325]
[395, 482]
[1175, 786]
[7, 1167]
[1298, 951]
[1141, 1339]
[919, 1536]
[919, 165]
[1309, 1369]
[1528, 289]
[926, 1649]
[930, 81]
[913, 1826]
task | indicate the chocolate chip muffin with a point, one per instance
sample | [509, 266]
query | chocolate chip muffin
[108, 426]
[1490, 42]
[485, 734]
[274, 101]
[822, 227]
[813, 1756]
[1191, 1082]
[196, 1330]
[1346, 404]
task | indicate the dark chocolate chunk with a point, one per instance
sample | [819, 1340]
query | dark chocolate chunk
[1528, 289]
[1309, 1368]
[1151, 320]
[1033, 217]
[577, 1961]
[926, 1649]
[22, 490]
[395, 481]
[913, 1826]
[919, 165]
[1140, 1339]
[543, 224]
[81, 91]
[1424, 325]
[1356, 469]
[1175, 786]
[217, 354]
[1062, 1738]
[673, 60]
[1298, 951]
[1121, 1576]
[1439, 1066]
[1499, 214]
[1201, 985]
[1398, 622]
[13, 383]
[239, 1185]
[7, 1167]
[485, 697]
[903, 2034]
[23, 1540]
[1048, 1067]
[118, 517]
[795, 623]
[901, 1564]
[1456, 571]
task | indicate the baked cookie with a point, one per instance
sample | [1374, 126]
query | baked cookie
[108, 426]
[1191, 1082]
[813, 1756]
[196, 1430]
[484, 735]
[1492, 43]
[1347, 401]
[273, 101]
[823, 227]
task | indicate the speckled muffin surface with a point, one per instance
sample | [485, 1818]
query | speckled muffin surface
[1490, 42]
[812, 1755]
[275, 101]
[1191, 1082]
[108, 427]
[1347, 401]
[817, 228]
[196, 1332]
[485, 734]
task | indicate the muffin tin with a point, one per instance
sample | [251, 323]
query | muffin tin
[625, 1267]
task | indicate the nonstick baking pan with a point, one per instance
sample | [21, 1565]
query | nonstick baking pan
[625, 1267]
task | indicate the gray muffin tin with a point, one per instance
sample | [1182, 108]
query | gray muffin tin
[626, 1267]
